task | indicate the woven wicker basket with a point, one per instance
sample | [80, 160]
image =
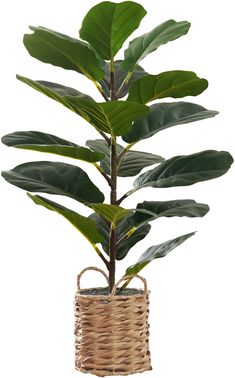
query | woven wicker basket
[112, 331]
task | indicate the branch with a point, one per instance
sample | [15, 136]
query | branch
[101, 91]
[126, 80]
[101, 255]
[105, 137]
[107, 178]
[126, 236]
[125, 196]
[125, 150]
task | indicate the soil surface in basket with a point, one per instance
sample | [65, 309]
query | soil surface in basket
[105, 291]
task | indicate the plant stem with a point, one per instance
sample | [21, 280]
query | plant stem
[101, 91]
[124, 151]
[101, 255]
[113, 193]
[107, 178]
[126, 80]
[119, 201]
[105, 137]
[113, 198]
[126, 236]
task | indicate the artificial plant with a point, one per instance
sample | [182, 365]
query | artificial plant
[104, 30]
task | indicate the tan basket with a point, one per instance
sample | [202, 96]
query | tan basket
[112, 331]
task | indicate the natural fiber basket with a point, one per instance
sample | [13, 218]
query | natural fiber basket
[112, 331]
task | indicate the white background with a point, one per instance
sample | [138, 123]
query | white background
[192, 289]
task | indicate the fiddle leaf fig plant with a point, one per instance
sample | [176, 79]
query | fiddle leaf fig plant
[124, 115]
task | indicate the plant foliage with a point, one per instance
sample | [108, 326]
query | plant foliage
[111, 229]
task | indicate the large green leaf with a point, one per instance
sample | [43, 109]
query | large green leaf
[114, 117]
[132, 162]
[174, 84]
[61, 50]
[164, 115]
[54, 178]
[176, 208]
[156, 252]
[122, 87]
[186, 170]
[111, 213]
[38, 141]
[141, 46]
[107, 25]
[83, 224]
[122, 228]
[63, 91]
[56, 92]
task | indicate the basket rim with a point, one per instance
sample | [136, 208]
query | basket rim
[108, 296]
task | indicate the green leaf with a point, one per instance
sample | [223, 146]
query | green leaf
[164, 115]
[84, 225]
[55, 91]
[63, 51]
[141, 46]
[155, 252]
[38, 141]
[174, 84]
[107, 25]
[132, 162]
[112, 213]
[186, 170]
[119, 77]
[114, 117]
[176, 208]
[64, 91]
[54, 178]
[122, 228]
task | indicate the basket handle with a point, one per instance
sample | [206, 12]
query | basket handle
[85, 270]
[127, 277]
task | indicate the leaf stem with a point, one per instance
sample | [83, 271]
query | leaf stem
[126, 236]
[107, 178]
[125, 196]
[125, 81]
[124, 151]
[101, 91]
[101, 255]
[105, 137]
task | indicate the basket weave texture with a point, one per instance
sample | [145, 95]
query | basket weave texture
[112, 331]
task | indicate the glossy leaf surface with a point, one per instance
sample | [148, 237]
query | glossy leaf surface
[132, 162]
[83, 224]
[56, 92]
[141, 46]
[157, 251]
[114, 117]
[43, 142]
[122, 227]
[186, 170]
[164, 115]
[176, 208]
[174, 84]
[63, 51]
[107, 25]
[54, 178]
[112, 213]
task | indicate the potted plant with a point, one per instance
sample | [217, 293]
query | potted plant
[111, 324]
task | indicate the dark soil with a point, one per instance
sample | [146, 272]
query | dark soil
[105, 291]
